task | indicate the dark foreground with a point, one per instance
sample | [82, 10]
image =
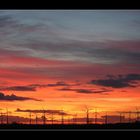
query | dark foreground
[70, 126]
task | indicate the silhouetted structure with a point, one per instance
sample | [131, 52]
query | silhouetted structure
[1, 118]
[44, 117]
[87, 115]
[62, 117]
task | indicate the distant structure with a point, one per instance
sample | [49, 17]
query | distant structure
[137, 112]
[44, 117]
[87, 115]
[62, 117]
[1, 117]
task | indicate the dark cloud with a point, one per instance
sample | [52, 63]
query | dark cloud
[119, 81]
[32, 87]
[58, 84]
[13, 97]
[85, 91]
[56, 112]
[19, 88]
[38, 85]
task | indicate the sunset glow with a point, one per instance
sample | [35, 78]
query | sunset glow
[66, 60]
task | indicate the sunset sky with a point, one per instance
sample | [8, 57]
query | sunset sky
[69, 59]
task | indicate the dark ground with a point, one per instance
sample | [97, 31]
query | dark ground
[70, 126]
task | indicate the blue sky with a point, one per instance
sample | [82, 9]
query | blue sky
[103, 24]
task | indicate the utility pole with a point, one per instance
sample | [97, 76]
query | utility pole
[1, 118]
[44, 117]
[87, 115]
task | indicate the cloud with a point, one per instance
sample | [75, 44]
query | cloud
[13, 97]
[56, 112]
[19, 88]
[87, 51]
[32, 87]
[85, 91]
[58, 84]
[26, 46]
[38, 86]
[120, 81]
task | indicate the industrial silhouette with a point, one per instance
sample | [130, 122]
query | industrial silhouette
[125, 118]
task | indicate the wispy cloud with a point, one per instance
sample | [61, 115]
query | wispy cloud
[40, 40]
